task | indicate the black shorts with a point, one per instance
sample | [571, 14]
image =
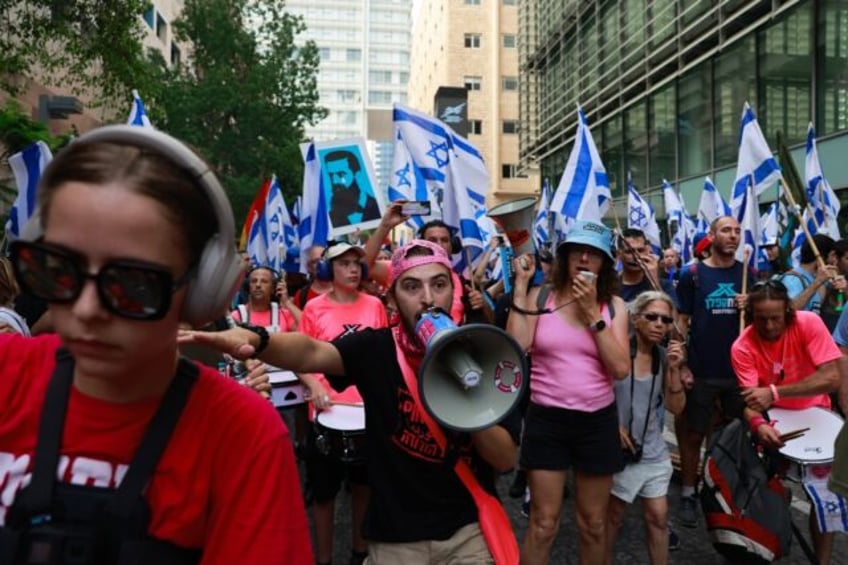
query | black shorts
[701, 402]
[557, 439]
[326, 474]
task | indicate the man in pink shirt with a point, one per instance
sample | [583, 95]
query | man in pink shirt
[342, 311]
[260, 310]
[784, 359]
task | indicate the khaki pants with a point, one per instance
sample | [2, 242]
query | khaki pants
[465, 547]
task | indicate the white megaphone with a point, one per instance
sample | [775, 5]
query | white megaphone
[471, 376]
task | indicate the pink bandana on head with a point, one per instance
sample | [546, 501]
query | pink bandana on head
[401, 263]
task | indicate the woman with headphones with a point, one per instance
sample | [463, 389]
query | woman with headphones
[160, 460]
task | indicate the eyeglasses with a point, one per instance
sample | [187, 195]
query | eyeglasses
[773, 284]
[130, 289]
[653, 317]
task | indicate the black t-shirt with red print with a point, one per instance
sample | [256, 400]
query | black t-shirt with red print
[415, 492]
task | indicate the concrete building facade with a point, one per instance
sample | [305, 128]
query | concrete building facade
[474, 44]
[364, 47]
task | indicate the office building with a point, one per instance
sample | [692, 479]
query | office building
[663, 83]
[364, 49]
[473, 44]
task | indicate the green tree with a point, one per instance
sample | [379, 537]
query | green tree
[89, 46]
[247, 94]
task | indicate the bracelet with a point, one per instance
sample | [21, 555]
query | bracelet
[756, 422]
[263, 337]
[774, 396]
[676, 390]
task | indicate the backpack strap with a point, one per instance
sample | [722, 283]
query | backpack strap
[275, 315]
[244, 314]
[693, 270]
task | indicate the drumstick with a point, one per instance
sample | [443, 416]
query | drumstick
[794, 434]
[341, 403]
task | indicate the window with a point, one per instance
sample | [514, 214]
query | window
[472, 2]
[380, 77]
[150, 17]
[473, 83]
[510, 171]
[175, 55]
[510, 2]
[472, 40]
[379, 97]
[694, 119]
[161, 28]
[324, 53]
[354, 55]
[509, 83]
[510, 126]
[347, 95]
[509, 41]
[475, 127]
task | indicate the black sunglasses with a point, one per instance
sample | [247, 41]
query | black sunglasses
[773, 284]
[130, 289]
[653, 317]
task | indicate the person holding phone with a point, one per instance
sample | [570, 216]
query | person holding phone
[579, 348]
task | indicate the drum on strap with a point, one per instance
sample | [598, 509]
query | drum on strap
[286, 388]
[340, 433]
[812, 453]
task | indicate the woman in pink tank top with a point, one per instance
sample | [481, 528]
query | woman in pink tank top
[578, 346]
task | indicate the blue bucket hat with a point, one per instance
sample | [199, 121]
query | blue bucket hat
[590, 233]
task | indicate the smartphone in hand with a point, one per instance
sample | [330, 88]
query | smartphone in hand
[415, 208]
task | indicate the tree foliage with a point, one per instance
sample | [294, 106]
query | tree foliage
[246, 96]
[87, 46]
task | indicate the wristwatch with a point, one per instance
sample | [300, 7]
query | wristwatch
[263, 337]
[597, 326]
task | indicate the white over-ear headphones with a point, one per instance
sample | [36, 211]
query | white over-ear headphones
[218, 271]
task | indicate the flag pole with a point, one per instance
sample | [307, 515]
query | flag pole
[797, 211]
[744, 287]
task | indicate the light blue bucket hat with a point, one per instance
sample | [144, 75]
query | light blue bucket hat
[590, 233]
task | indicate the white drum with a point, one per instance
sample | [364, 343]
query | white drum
[286, 388]
[812, 453]
[340, 433]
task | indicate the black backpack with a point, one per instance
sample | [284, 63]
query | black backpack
[745, 505]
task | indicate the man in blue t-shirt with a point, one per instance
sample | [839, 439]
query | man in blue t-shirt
[710, 300]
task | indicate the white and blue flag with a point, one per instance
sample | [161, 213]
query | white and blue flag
[711, 206]
[314, 225]
[756, 164]
[749, 222]
[583, 191]
[407, 182]
[640, 215]
[823, 200]
[541, 225]
[138, 115]
[769, 226]
[26, 166]
[283, 247]
[455, 174]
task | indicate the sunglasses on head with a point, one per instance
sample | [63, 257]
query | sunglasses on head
[773, 284]
[653, 317]
[126, 288]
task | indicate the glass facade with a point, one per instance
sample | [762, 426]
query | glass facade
[663, 82]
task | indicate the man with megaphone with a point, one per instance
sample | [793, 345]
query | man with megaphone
[432, 474]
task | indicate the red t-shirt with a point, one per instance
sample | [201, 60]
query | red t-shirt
[226, 482]
[328, 320]
[804, 346]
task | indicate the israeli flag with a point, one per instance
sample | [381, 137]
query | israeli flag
[673, 206]
[283, 249]
[455, 174]
[138, 116]
[756, 164]
[684, 238]
[26, 166]
[685, 227]
[314, 226]
[822, 198]
[640, 215]
[749, 216]
[583, 191]
[769, 226]
[540, 224]
[257, 240]
[408, 183]
[711, 206]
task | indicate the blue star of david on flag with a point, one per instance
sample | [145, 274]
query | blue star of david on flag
[637, 216]
[439, 153]
[403, 176]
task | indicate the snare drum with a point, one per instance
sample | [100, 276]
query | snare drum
[340, 433]
[811, 455]
[286, 388]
